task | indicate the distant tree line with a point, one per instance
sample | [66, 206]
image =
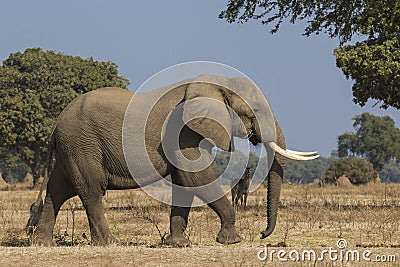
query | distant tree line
[304, 172]
[373, 148]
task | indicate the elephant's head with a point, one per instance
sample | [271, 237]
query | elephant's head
[240, 110]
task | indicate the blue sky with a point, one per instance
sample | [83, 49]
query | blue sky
[309, 95]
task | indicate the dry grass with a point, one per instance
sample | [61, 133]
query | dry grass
[309, 217]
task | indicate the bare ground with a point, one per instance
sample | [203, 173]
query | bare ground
[367, 217]
[145, 256]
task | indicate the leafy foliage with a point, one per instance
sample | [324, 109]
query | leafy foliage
[375, 67]
[376, 138]
[358, 170]
[11, 167]
[347, 143]
[337, 18]
[374, 64]
[35, 86]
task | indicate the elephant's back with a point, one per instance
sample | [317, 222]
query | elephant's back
[98, 105]
[110, 99]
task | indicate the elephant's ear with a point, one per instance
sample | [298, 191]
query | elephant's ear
[205, 112]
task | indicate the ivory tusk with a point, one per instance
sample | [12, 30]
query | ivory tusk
[302, 153]
[290, 155]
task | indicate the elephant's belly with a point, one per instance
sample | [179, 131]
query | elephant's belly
[140, 173]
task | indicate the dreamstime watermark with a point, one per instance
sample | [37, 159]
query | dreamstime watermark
[341, 253]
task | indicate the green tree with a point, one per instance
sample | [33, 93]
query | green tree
[35, 86]
[11, 166]
[376, 138]
[373, 63]
[358, 170]
[347, 144]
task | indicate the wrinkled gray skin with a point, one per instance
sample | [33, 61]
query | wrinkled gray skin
[89, 159]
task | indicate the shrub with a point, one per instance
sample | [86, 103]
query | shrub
[306, 171]
[357, 170]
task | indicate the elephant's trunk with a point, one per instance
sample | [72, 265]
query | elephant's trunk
[275, 175]
[275, 178]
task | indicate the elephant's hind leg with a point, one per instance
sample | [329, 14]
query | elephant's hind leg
[91, 187]
[58, 191]
[99, 230]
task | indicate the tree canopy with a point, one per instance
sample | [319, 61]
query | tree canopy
[35, 86]
[357, 170]
[376, 138]
[373, 63]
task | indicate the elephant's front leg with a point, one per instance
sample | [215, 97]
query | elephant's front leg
[226, 213]
[203, 185]
[182, 200]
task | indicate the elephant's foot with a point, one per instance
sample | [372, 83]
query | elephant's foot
[178, 241]
[228, 236]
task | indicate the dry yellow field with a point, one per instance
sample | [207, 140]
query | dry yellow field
[366, 218]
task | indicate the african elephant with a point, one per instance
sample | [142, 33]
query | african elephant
[88, 146]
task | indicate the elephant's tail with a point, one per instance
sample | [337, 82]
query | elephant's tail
[37, 206]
